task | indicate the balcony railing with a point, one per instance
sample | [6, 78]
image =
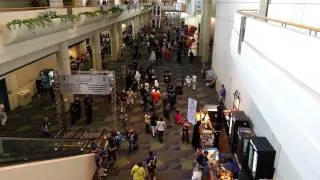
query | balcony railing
[253, 14]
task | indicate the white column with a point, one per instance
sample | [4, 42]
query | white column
[193, 7]
[115, 41]
[63, 68]
[77, 3]
[56, 3]
[96, 50]
[205, 30]
[63, 60]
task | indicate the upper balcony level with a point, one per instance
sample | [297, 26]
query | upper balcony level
[21, 24]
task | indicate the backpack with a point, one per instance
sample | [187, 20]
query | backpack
[152, 164]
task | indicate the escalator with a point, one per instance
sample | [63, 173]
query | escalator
[22, 150]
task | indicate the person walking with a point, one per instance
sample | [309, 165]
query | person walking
[178, 117]
[151, 163]
[112, 147]
[147, 120]
[45, 127]
[191, 56]
[88, 100]
[77, 105]
[3, 114]
[222, 94]
[138, 172]
[196, 135]
[194, 82]
[185, 131]
[123, 118]
[161, 126]
[131, 140]
[153, 123]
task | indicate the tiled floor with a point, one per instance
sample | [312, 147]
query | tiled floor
[175, 158]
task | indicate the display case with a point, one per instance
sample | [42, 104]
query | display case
[242, 149]
[238, 119]
[261, 158]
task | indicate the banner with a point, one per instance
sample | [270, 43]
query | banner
[192, 110]
[85, 84]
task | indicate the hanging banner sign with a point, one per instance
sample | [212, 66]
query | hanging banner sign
[85, 84]
[192, 110]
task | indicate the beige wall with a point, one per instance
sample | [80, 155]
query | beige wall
[72, 168]
[25, 77]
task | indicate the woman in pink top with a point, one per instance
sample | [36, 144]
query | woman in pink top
[179, 118]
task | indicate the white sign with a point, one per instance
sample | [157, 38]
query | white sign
[192, 110]
[85, 84]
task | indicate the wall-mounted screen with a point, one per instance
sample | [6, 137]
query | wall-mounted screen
[250, 157]
[254, 163]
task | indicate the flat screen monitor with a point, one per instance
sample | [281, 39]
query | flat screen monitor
[250, 160]
[254, 163]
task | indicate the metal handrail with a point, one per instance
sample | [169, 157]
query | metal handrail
[250, 13]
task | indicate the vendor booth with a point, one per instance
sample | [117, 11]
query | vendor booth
[209, 131]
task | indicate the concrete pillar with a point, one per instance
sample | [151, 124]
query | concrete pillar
[77, 3]
[56, 3]
[205, 30]
[63, 68]
[63, 60]
[117, 2]
[92, 2]
[193, 7]
[96, 50]
[115, 41]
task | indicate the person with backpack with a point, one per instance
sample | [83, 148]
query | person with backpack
[151, 163]
[131, 140]
[161, 126]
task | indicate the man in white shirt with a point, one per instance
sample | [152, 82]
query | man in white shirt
[188, 81]
[161, 126]
[194, 81]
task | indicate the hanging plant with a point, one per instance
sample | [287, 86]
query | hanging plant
[116, 9]
[103, 12]
[67, 18]
[147, 6]
[88, 14]
[44, 19]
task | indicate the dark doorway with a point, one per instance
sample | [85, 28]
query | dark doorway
[4, 95]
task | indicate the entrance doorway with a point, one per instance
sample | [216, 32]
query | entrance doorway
[4, 95]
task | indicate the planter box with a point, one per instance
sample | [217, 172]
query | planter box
[83, 20]
[23, 33]
[57, 26]
[112, 14]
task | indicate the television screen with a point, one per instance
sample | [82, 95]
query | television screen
[250, 157]
[254, 163]
[245, 145]
[231, 125]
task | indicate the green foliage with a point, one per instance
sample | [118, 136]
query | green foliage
[147, 6]
[44, 19]
[88, 14]
[103, 12]
[116, 9]
[67, 18]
